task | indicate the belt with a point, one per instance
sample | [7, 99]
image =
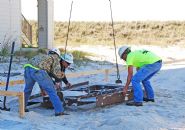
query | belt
[29, 65]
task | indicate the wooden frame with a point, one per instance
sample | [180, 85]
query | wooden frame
[20, 95]
[71, 75]
[12, 83]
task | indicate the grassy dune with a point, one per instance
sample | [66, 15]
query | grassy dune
[137, 32]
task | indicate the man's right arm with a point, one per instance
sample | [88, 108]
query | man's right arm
[129, 77]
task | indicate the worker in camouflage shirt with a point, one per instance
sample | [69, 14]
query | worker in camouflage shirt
[65, 61]
[38, 70]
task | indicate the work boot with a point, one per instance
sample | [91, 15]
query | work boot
[60, 95]
[132, 103]
[148, 100]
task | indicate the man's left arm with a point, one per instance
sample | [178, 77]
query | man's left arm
[66, 82]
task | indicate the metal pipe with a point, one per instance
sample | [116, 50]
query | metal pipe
[113, 34]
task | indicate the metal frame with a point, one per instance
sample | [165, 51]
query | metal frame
[101, 95]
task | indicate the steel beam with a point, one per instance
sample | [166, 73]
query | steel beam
[112, 98]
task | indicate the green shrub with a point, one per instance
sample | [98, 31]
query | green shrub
[4, 51]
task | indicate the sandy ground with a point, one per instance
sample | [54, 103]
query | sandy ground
[167, 113]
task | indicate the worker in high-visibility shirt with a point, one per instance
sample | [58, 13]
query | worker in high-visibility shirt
[147, 65]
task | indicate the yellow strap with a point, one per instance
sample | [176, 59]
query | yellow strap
[29, 65]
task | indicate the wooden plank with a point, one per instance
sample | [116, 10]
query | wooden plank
[20, 95]
[12, 83]
[10, 93]
[72, 75]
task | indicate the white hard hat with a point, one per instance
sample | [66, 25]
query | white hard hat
[56, 50]
[122, 50]
[68, 57]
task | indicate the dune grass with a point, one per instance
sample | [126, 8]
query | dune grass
[136, 32]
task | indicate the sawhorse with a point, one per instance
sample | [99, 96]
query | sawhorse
[20, 95]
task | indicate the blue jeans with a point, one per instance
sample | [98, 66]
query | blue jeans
[143, 75]
[42, 78]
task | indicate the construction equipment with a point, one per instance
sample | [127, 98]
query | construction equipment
[98, 94]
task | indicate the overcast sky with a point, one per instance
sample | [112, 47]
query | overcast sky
[99, 10]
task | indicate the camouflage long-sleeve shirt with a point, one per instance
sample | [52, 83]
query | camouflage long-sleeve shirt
[50, 63]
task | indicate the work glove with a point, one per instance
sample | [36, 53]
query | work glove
[68, 85]
[125, 90]
[58, 86]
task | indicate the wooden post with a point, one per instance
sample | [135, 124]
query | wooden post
[20, 95]
[21, 105]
